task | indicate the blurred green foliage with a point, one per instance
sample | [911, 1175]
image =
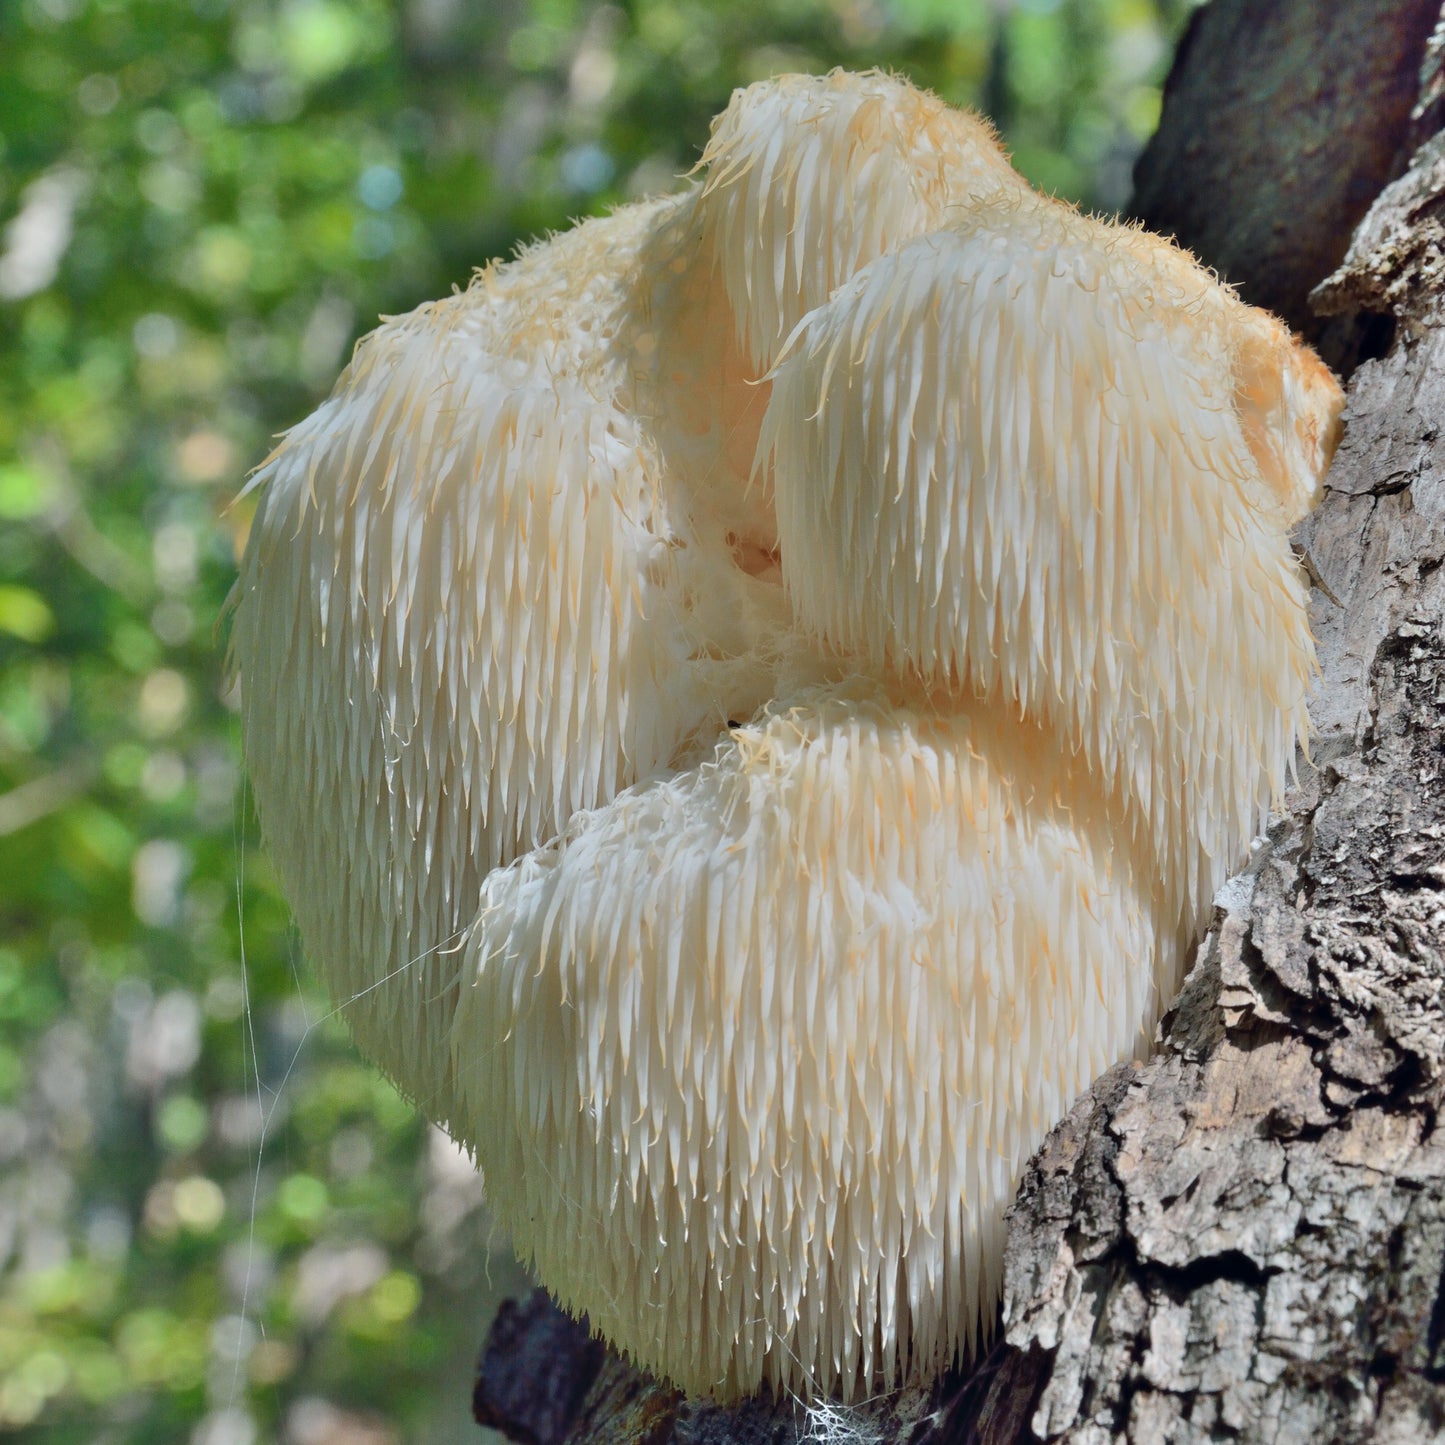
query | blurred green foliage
[216, 1223]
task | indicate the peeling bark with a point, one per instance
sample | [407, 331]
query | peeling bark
[1244, 1237]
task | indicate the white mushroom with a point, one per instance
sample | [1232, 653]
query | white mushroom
[754, 934]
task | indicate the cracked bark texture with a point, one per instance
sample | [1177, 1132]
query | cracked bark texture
[1242, 1239]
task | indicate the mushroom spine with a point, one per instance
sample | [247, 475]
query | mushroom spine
[751, 702]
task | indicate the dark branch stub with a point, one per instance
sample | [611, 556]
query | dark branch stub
[1281, 124]
[535, 1372]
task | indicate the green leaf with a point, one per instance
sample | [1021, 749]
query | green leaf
[24, 492]
[25, 614]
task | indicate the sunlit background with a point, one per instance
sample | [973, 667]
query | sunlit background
[217, 1224]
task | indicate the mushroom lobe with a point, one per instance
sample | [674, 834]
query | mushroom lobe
[793, 1021]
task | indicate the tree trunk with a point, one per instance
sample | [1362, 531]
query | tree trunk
[1244, 1237]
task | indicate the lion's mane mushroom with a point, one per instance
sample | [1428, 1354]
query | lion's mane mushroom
[751, 700]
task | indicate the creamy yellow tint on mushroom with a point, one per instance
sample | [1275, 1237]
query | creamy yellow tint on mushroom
[751, 702]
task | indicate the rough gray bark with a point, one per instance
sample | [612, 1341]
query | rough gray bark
[1244, 1237]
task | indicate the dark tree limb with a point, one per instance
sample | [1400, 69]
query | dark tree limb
[1281, 123]
[1244, 1237]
